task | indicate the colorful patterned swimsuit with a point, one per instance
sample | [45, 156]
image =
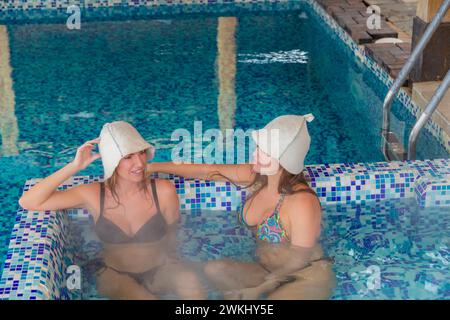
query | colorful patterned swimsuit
[271, 229]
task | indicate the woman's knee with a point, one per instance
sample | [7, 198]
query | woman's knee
[215, 268]
[188, 277]
[189, 286]
[118, 286]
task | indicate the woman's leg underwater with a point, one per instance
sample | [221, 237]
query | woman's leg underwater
[227, 274]
[313, 283]
[115, 285]
[177, 277]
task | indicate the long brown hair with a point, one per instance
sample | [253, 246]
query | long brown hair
[111, 183]
[287, 184]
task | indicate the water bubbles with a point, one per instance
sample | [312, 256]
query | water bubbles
[303, 15]
[431, 287]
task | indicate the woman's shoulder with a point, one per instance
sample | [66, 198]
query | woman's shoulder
[165, 188]
[302, 192]
[91, 193]
[168, 200]
[305, 199]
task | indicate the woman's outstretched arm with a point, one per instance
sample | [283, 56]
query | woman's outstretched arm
[44, 196]
[238, 173]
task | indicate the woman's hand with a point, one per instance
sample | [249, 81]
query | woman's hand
[85, 156]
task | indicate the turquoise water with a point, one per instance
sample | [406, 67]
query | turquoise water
[406, 247]
[162, 74]
[382, 250]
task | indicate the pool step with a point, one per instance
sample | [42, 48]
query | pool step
[432, 191]
[393, 147]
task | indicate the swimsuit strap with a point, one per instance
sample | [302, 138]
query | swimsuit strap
[241, 217]
[280, 202]
[155, 194]
[283, 195]
[102, 197]
[276, 211]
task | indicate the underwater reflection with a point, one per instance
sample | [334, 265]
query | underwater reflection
[8, 121]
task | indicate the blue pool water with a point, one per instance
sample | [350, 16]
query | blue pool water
[387, 249]
[163, 74]
[408, 247]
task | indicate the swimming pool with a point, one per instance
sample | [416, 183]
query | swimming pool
[160, 73]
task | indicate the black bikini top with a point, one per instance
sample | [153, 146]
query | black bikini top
[151, 231]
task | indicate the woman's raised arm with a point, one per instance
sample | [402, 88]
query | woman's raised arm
[44, 196]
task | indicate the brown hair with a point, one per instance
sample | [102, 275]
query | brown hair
[287, 184]
[111, 183]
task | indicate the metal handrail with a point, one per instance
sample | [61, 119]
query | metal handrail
[406, 69]
[432, 105]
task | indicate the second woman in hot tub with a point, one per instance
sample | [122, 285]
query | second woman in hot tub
[283, 211]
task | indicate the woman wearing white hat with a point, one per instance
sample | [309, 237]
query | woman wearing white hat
[135, 217]
[284, 212]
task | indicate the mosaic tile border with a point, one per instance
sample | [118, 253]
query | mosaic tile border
[34, 264]
[35, 252]
[433, 192]
[59, 13]
[63, 4]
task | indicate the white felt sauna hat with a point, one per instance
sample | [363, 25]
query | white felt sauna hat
[286, 139]
[117, 140]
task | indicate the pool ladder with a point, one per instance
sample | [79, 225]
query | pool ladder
[392, 148]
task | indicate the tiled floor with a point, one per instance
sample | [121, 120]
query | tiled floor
[391, 56]
[422, 93]
[398, 12]
[352, 16]
[396, 22]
